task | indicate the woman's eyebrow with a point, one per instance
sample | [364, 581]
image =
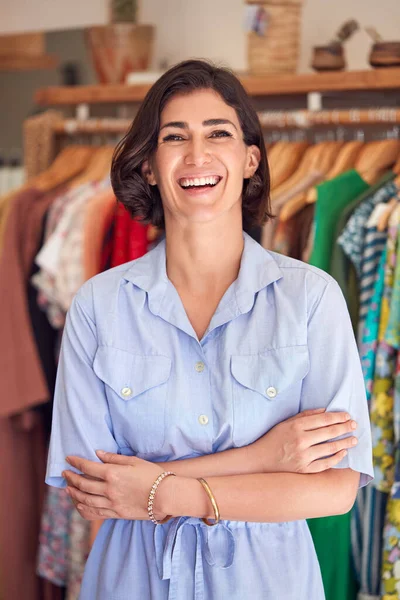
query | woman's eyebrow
[209, 122]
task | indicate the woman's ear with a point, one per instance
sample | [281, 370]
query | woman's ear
[147, 173]
[252, 161]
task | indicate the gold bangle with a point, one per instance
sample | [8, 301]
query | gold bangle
[213, 502]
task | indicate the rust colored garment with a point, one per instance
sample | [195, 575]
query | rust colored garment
[22, 382]
[98, 217]
[22, 471]
[22, 386]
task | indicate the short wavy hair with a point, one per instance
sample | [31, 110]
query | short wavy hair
[142, 200]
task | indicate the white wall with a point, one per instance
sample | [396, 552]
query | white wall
[211, 28]
[50, 15]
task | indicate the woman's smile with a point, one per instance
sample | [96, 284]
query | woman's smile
[200, 186]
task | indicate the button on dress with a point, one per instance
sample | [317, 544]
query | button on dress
[134, 379]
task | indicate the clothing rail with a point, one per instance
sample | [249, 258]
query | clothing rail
[307, 118]
[280, 119]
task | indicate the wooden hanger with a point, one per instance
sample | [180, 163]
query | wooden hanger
[71, 161]
[287, 162]
[376, 158]
[326, 159]
[98, 167]
[273, 159]
[345, 161]
[308, 162]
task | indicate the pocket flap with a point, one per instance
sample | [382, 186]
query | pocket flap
[273, 371]
[128, 374]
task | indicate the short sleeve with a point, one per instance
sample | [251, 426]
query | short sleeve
[81, 419]
[335, 378]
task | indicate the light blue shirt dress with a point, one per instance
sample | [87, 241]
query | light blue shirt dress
[134, 379]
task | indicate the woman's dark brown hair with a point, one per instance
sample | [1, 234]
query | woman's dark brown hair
[129, 184]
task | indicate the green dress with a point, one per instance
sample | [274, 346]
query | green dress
[331, 535]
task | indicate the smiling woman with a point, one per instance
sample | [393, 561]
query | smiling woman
[216, 121]
[208, 357]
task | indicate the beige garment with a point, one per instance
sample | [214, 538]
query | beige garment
[269, 229]
[39, 142]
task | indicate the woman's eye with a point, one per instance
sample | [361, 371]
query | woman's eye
[173, 137]
[223, 132]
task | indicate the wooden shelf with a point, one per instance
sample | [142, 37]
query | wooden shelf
[374, 79]
[28, 63]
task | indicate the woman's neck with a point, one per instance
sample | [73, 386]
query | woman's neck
[203, 259]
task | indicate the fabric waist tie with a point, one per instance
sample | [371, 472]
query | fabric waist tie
[168, 550]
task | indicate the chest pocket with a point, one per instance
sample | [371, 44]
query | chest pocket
[266, 390]
[137, 390]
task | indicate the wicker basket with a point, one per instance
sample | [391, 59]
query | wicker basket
[277, 51]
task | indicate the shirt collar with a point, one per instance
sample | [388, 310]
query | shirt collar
[258, 269]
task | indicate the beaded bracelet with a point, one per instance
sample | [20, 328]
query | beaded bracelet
[213, 502]
[151, 498]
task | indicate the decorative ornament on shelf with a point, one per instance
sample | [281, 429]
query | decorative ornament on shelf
[383, 54]
[331, 57]
[122, 47]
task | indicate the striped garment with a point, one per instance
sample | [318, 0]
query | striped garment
[364, 245]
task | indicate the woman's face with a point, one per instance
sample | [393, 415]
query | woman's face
[200, 137]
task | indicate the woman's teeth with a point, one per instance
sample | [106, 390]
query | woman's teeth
[199, 182]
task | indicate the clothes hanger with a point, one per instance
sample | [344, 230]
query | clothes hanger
[287, 162]
[308, 162]
[376, 158]
[71, 161]
[326, 159]
[345, 161]
[98, 167]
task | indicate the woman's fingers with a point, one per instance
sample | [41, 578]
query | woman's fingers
[88, 499]
[323, 464]
[85, 484]
[316, 436]
[324, 419]
[306, 413]
[328, 449]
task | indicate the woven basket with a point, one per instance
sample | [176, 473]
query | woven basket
[277, 51]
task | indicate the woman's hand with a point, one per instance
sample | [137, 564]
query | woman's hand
[117, 489]
[300, 444]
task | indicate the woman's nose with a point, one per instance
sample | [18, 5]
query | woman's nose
[197, 153]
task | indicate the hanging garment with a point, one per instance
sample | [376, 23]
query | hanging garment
[278, 201]
[61, 257]
[22, 382]
[374, 246]
[98, 217]
[331, 535]
[54, 537]
[391, 532]
[130, 238]
[101, 353]
[333, 197]
[78, 552]
[351, 230]
[381, 409]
